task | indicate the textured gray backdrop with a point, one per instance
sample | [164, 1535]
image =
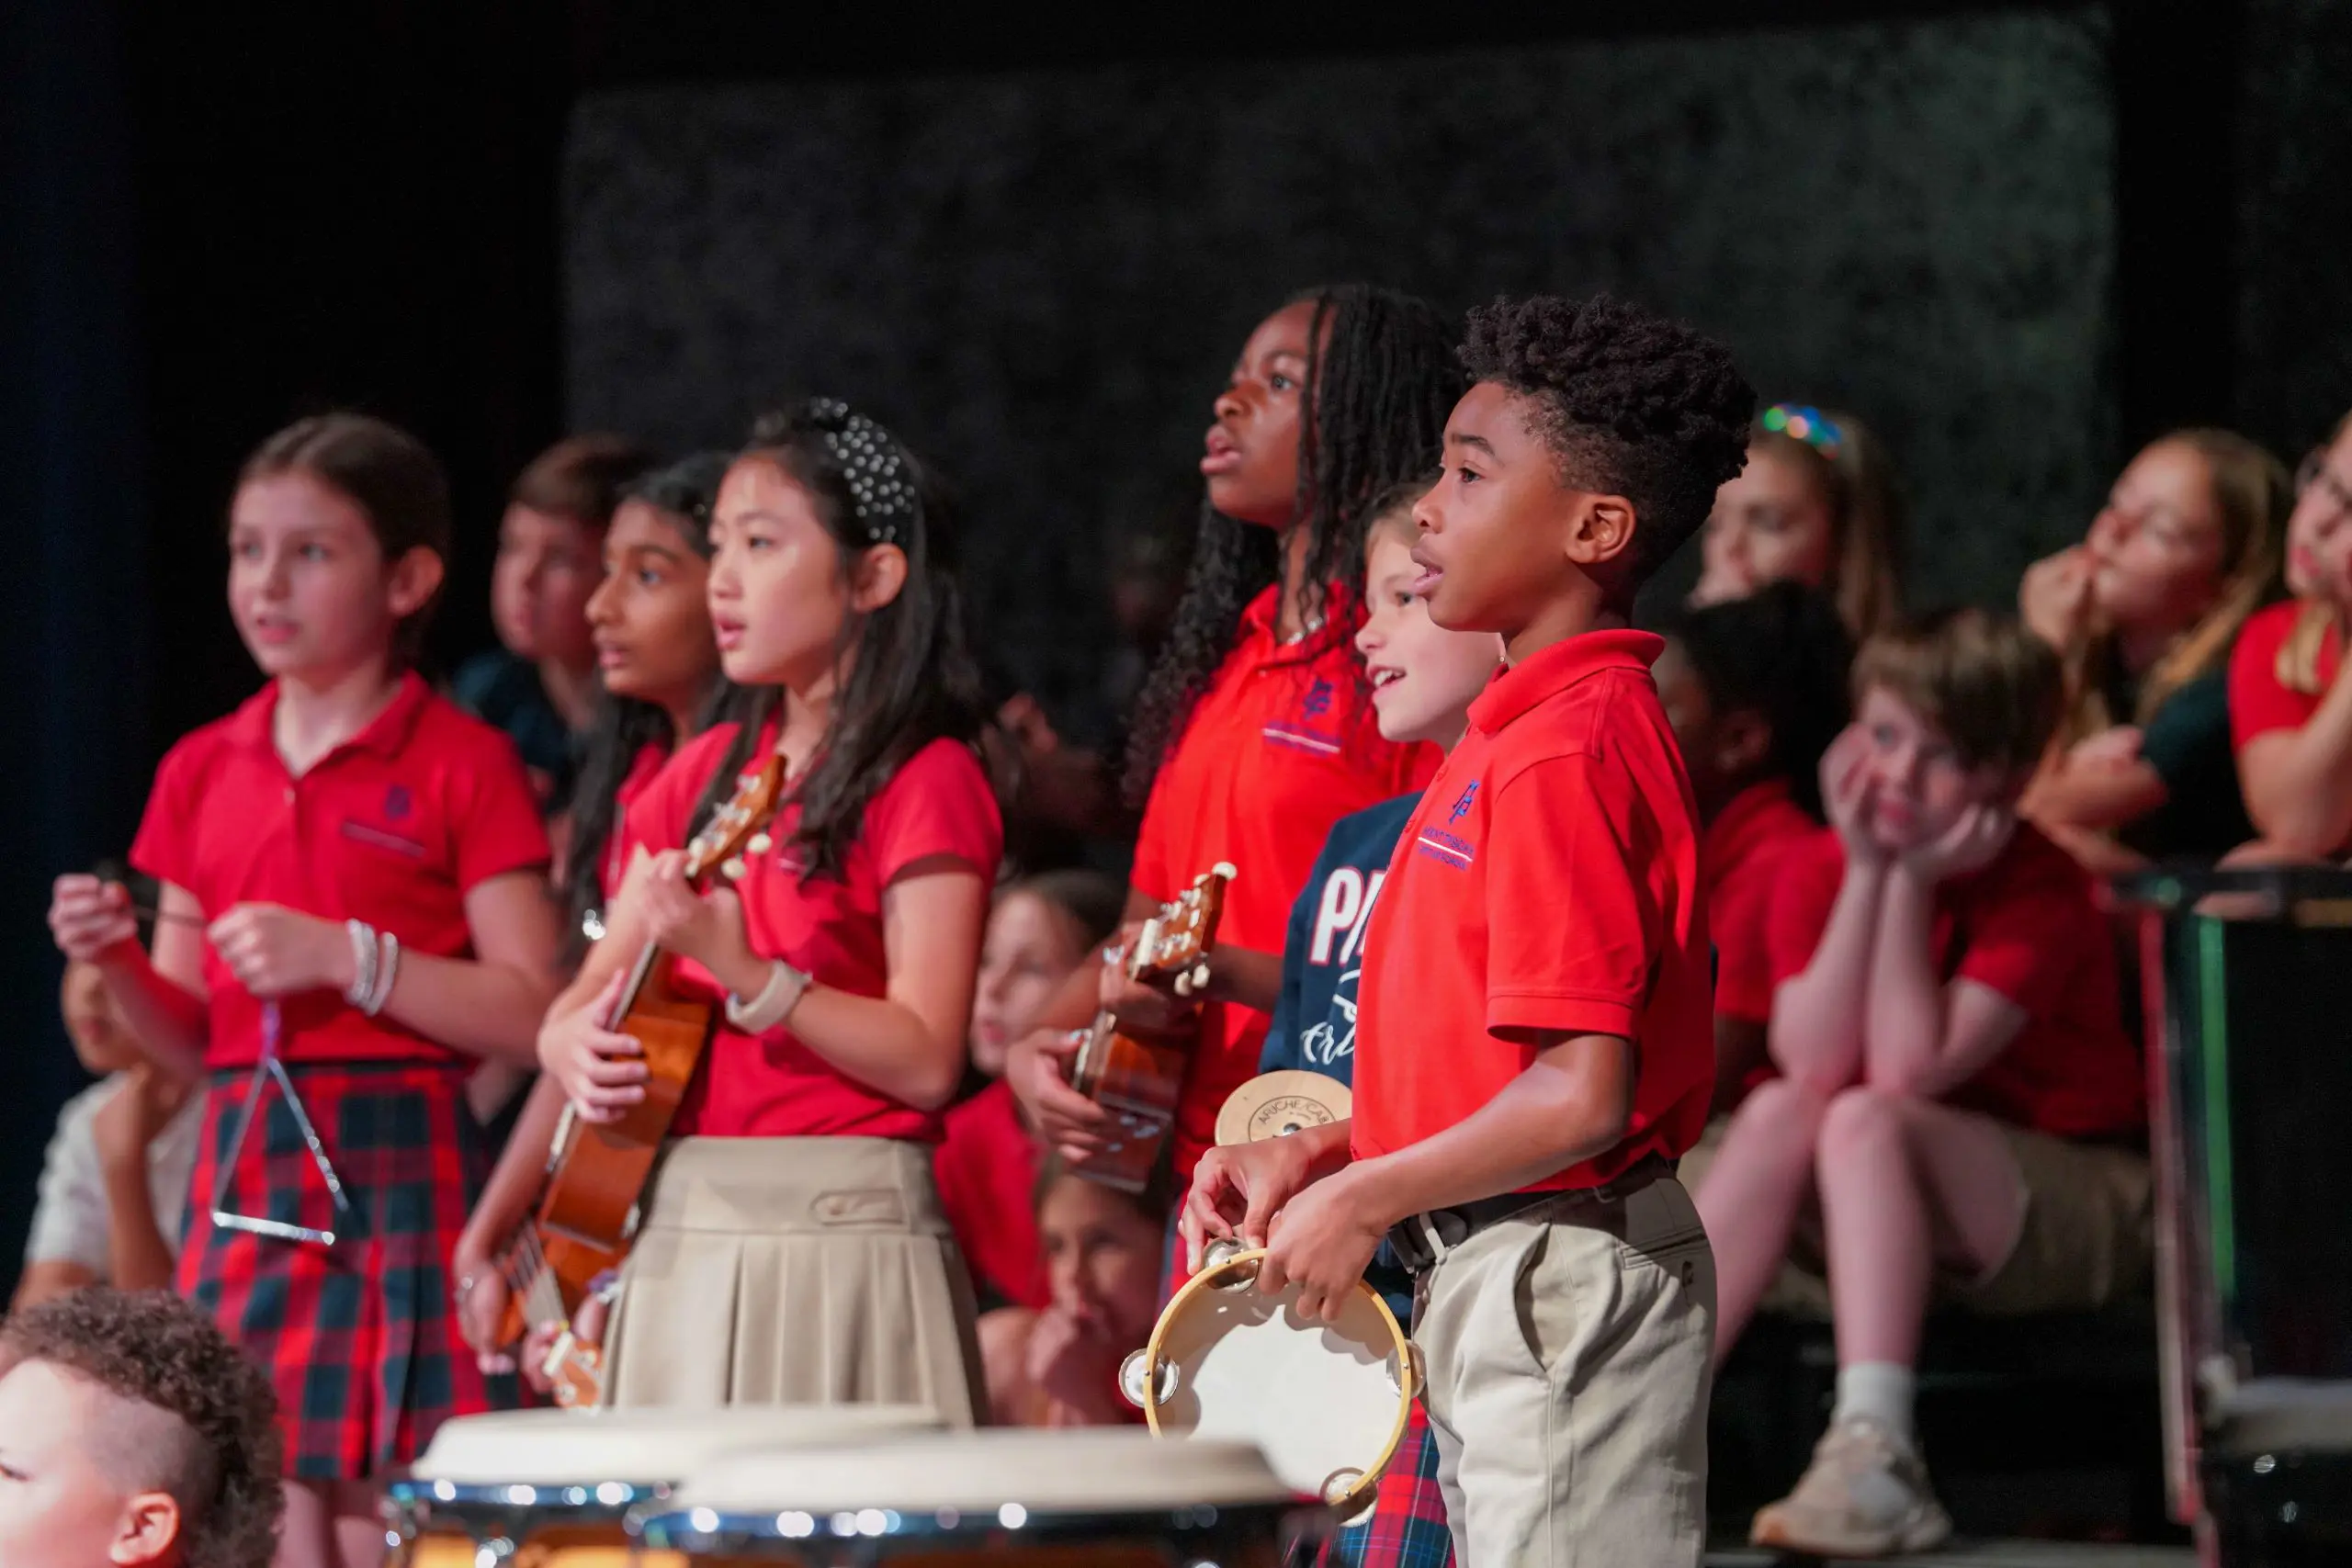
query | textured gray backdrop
[1042, 277]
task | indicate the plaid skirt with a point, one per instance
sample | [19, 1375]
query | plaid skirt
[1407, 1525]
[360, 1339]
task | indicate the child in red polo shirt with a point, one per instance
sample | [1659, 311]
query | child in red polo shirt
[793, 1248]
[1755, 688]
[1255, 732]
[1958, 1095]
[1533, 1048]
[352, 875]
[2291, 718]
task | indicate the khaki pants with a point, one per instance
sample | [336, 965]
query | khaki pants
[1567, 1352]
[796, 1271]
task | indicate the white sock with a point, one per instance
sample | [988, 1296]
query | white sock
[1880, 1389]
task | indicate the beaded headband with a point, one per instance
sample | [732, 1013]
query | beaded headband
[1810, 425]
[871, 463]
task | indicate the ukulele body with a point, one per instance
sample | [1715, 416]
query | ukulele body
[1139, 1080]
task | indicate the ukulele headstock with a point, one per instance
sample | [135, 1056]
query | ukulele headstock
[740, 826]
[1175, 941]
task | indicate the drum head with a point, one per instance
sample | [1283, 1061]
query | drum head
[1325, 1402]
[1273, 1103]
[1085, 1471]
[564, 1448]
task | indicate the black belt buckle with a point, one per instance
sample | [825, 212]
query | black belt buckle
[1409, 1238]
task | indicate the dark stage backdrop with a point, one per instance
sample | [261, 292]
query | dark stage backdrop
[1043, 276]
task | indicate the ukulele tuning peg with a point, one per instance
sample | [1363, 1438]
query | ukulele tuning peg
[1224, 868]
[733, 868]
[1183, 985]
[1199, 976]
[761, 844]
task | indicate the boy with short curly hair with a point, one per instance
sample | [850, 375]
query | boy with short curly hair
[1534, 1042]
[133, 1434]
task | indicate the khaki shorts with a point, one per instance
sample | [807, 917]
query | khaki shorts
[1567, 1352]
[2087, 1240]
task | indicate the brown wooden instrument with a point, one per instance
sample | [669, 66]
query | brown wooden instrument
[597, 1171]
[1137, 1078]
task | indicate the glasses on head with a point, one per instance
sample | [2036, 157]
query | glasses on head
[2316, 475]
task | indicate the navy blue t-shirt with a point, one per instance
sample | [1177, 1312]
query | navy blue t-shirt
[1314, 1021]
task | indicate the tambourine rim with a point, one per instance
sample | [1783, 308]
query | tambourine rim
[1407, 1371]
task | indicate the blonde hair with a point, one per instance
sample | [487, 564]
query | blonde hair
[2253, 494]
[1993, 688]
[2298, 667]
[1856, 475]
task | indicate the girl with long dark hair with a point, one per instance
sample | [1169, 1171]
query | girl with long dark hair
[793, 1248]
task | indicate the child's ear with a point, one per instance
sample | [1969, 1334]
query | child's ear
[1602, 531]
[149, 1532]
[879, 578]
[416, 578]
[1742, 741]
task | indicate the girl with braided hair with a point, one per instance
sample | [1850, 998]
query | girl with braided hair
[1255, 730]
[794, 1249]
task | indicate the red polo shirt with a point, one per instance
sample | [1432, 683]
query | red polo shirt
[987, 1167]
[1548, 883]
[2259, 702]
[393, 826]
[1739, 855]
[772, 1086]
[2027, 927]
[1276, 750]
[642, 769]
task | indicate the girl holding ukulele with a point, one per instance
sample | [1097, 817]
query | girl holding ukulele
[352, 883]
[794, 1249]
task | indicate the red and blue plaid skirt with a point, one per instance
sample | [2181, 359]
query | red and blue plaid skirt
[360, 1339]
[1407, 1525]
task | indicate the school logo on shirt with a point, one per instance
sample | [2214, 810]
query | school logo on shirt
[398, 803]
[1448, 848]
[1307, 731]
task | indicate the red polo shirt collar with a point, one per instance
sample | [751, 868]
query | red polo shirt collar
[1519, 687]
[253, 725]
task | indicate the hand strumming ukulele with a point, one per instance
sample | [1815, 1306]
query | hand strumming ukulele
[597, 1171]
[1135, 1078]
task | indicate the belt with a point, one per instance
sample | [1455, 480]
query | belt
[1420, 1240]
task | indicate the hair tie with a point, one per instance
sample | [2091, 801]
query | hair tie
[871, 464]
[1805, 423]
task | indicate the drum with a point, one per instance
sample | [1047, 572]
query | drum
[1282, 1101]
[1081, 1497]
[1327, 1403]
[552, 1486]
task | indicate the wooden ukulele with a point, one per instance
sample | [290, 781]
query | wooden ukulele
[597, 1171]
[1137, 1078]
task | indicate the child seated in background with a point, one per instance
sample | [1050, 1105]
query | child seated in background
[132, 1435]
[1958, 1104]
[2143, 613]
[1756, 689]
[1056, 1364]
[2291, 718]
[1041, 929]
[114, 1186]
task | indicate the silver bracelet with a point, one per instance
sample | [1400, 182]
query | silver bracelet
[363, 964]
[774, 1004]
[387, 969]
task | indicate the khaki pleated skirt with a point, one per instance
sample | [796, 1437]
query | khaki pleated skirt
[796, 1271]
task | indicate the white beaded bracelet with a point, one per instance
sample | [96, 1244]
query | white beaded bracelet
[387, 969]
[774, 1004]
[363, 964]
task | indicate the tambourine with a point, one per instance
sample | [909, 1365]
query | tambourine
[1282, 1101]
[1327, 1403]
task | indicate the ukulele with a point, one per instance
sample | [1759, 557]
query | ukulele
[597, 1171]
[1137, 1078]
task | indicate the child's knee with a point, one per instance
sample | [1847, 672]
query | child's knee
[1862, 1126]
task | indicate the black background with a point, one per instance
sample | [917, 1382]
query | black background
[213, 219]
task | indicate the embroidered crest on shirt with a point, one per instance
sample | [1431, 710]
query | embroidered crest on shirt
[399, 805]
[1444, 846]
[1308, 729]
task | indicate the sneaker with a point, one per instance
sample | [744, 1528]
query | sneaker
[1865, 1494]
